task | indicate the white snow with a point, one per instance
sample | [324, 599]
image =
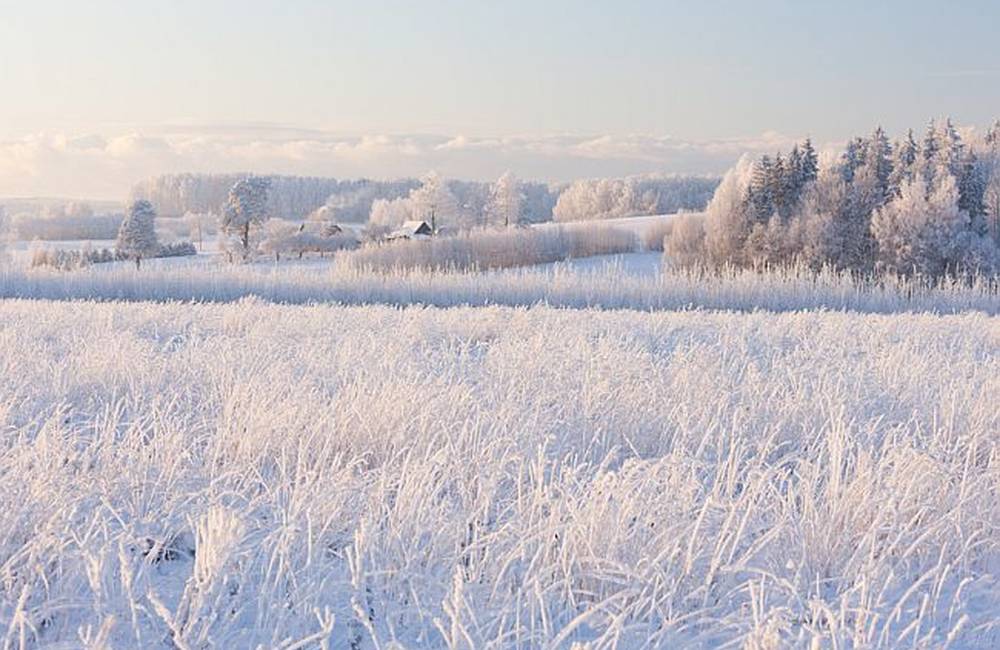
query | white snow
[253, 475]
[564, 469]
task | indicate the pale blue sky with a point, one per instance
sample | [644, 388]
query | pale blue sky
[696, 71]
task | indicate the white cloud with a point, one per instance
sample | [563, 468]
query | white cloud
[104, 165]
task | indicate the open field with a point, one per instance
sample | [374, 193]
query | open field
[618, 282]
[260, 475]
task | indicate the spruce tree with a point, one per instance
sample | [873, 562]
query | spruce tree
[904, 159]
[878, 156]
[810, 162]
[137, 234]
[929, 150]
[795, 180]
[762, 203]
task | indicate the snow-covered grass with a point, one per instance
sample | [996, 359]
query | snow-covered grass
[592, 283]
[494, 248]
[254, 475]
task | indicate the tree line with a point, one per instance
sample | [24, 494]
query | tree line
[928, 208]
[467, 202]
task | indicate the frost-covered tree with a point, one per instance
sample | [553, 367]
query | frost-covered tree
[810, 162]
[930, 149]
[506, 198]
[200, 224]
[137, 234]
[728, 215]
[434, 203]
[904, 160]
[925, 231]
[763, 212]
[70, 209]
[390, 213]
[289, 197]
[614, 198]
[824, 226]
[878, 159]
[245, 210]
[991, 204]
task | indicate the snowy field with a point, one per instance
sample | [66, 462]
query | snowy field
[255, 475]
[605, 450]
[633, 281]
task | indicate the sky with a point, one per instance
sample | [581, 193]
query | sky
[95, 95]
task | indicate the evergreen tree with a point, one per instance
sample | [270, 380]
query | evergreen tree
[929, 151]
[972, 181]
[137, 235]
[952, 153]
[992, 137]
[854, 156]
[904, 159]
[761, 195]
[878, 157]
[779, 183]
[795, 166]
[810, 162]
[796, 175]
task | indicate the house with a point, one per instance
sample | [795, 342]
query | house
[331, 229]
[411, 230]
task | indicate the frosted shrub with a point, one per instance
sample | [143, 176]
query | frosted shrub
[652, 237]
[176, 249]
[684, 244]
[74, 259]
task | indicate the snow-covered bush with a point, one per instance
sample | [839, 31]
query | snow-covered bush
[67, 260]
[685, 242]
[177, 249]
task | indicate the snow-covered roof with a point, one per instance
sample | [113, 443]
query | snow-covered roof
[415, 227]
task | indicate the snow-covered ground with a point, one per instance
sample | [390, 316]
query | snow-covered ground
[254, 475]
[18, 253]
[600, 461]
[644, 264]
[629, 283]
